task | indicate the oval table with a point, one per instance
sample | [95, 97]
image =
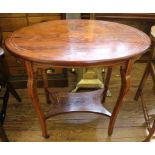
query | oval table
[77, 43]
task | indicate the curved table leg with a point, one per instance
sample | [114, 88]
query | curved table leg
[106, 86]
[125, 71]
[144, 78]
[32, 90]
[151, 133]
[45, 84]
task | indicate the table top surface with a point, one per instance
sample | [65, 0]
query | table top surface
[77, 42]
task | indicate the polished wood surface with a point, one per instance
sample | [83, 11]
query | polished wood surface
[141, 21]
[65, 102]
[74, 42]
[68, 43]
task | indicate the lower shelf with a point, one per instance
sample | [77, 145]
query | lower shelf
[64, 102]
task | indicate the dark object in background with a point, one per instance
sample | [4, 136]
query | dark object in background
[4, 82]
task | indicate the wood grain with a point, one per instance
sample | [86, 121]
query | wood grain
[4, 15]
[137, 16]
[77, 102]
[42, 14]
[12, 24]
[73, 42]
[36, 19]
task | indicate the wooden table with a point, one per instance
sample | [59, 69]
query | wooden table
[77, 43]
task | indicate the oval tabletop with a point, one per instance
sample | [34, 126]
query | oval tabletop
[77, 42]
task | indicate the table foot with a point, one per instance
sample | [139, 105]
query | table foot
[46, 136]
[77, 102]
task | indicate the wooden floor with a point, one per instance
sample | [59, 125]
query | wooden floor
[22, 124]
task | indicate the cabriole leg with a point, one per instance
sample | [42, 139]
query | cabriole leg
[125, 71]
[106, 83]
[32, 90]
[45, 84]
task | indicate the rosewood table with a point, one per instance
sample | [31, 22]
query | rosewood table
[77, 43]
